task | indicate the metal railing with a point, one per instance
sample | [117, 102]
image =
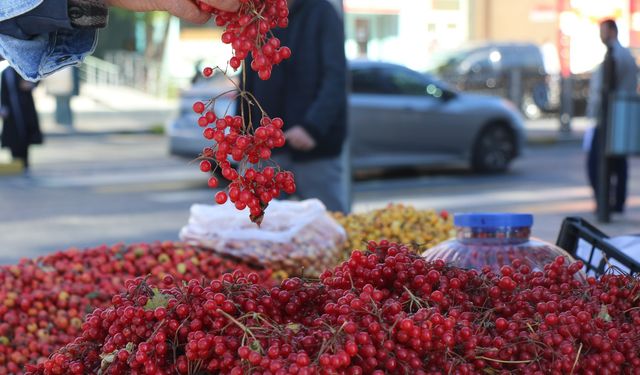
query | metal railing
[124, 68]
[99, 72]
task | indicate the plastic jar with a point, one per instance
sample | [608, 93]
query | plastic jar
[494, 240]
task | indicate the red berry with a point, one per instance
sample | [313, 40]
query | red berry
[213, 182]
[198, 107]
[221, 197]
[202, 122]
[205, 166]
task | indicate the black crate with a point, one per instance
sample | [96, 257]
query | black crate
[575, 229]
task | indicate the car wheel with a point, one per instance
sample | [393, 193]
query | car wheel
[530, 109]
[493, 150]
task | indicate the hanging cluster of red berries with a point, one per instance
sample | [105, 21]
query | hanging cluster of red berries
[250, 186]
[384, 311]
[247, 31]
[255, 181]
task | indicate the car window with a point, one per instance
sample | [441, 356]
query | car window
[481, 61]
[442, 61]
[532, 58]
[526, 57]
[370, 81]
[406, 82]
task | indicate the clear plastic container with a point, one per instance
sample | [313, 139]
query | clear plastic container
[494, 240]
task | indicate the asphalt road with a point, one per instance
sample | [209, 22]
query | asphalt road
[86, 191]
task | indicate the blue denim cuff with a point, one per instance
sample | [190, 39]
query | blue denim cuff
[11, 9]
[45, 54]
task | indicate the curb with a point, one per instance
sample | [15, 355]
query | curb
[537, 141]
[11, 169]
[547, 141]
[89, 133]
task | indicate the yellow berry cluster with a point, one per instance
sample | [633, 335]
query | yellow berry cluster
[419, 229]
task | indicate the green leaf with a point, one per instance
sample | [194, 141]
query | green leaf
[604, 314]
[295, 327]
[93, 295]
[129, 347]
[107, 360]
[157, 300]
[255, 346]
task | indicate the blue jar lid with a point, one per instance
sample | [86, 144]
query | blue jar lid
[492, 220]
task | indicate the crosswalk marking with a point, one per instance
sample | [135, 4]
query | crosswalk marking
[470, 200]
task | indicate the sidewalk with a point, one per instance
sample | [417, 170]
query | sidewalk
[105, 110]
[547, 130]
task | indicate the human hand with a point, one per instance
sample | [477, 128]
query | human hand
[185, 9]
[227, 5]
[299, 138]
[26, 85]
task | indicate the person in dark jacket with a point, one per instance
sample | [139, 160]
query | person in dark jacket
[309, 92]
[617, 74]
[21, 127]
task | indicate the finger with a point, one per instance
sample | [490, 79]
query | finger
[309, 142]
[297, 144]
[187, 10]
[305, 145]
[227, 5]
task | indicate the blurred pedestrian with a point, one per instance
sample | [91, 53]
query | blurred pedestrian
[617, 74]
[309, 92]
[21, 127]
[594, 101]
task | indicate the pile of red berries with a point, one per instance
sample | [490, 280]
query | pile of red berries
[385, 310]
[43, 302]
[248, 29]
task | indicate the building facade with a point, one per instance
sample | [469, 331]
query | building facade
[572, 26]
[410, 31]
[405, 31]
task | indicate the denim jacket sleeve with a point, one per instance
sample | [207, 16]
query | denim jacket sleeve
[37, 38]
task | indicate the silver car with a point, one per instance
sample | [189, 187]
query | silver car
[401, 118]
[185, 136]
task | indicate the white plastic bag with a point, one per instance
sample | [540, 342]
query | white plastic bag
[299, 238]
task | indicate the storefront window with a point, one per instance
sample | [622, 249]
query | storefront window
[365, 32]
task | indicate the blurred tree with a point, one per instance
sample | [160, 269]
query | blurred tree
[156, 26]
[145, 33]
